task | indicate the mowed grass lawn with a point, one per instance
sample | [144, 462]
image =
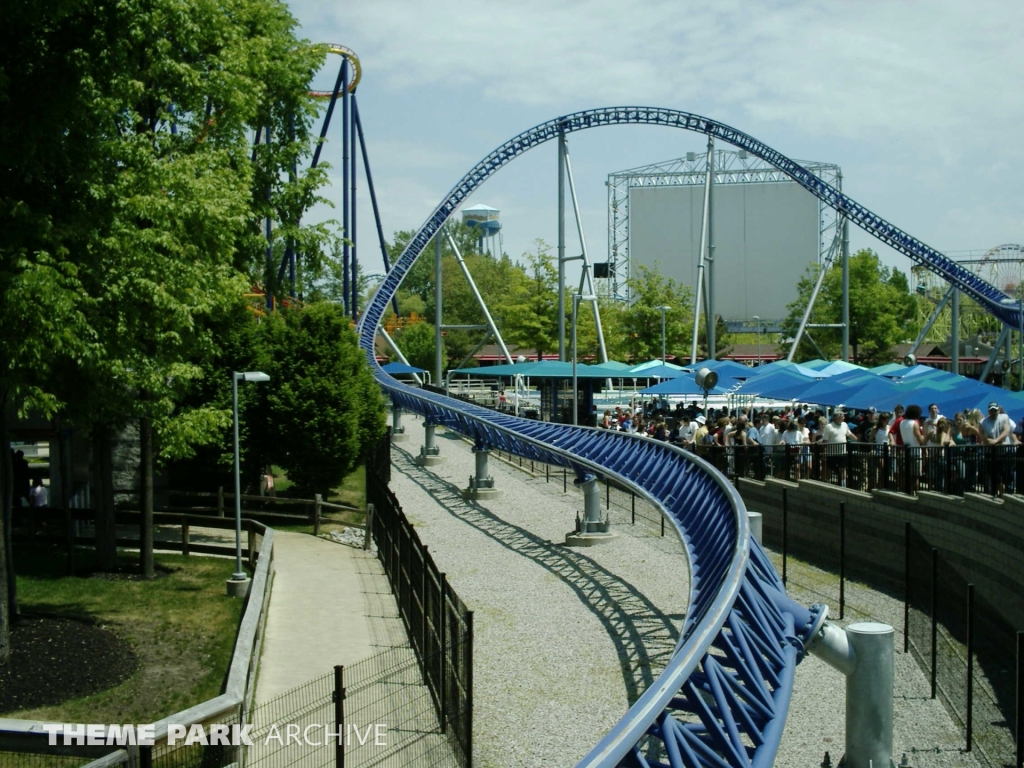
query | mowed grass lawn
[181, 625]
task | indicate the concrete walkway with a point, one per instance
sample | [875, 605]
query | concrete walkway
[330, 605]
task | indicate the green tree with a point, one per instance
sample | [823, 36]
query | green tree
[641, 321]
[324, 408]
[129, 206]
[417, 344]
[882, 310]
[531, 310]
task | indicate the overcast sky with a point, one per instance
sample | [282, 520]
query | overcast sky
[920, 103]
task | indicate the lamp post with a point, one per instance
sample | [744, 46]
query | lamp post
[576, 299]
[758, 319]
[663, 311]
[239, 576]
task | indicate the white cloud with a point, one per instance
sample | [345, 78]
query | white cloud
[855, 70]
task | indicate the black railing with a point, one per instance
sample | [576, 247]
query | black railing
[955, 469]
[379, 706]
[969, 652]
[439, 625]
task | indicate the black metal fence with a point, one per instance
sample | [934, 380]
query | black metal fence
[955, 469]
[439, 625]
[973, 658]
[375, 712]
[970, 653]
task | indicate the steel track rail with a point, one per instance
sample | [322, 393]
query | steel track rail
[723, 698]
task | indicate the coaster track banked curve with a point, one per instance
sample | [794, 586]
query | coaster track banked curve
[722, 699]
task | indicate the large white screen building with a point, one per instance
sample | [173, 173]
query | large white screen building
[767, 230]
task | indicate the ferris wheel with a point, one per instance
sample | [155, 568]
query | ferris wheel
[1003, 267]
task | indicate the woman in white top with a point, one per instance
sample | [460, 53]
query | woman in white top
[880, 434]
[793, 437]
[913, 439]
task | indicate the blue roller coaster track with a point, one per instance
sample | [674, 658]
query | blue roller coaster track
[722, 699]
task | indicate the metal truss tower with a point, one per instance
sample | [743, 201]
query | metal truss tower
[730, 167]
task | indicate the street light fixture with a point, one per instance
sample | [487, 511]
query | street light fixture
[576, 299]
[239, 577]
[663, 311]
[758, 319]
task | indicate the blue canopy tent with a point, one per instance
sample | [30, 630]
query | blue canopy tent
[653, 364]
[681, 385]
[781, 365]
[838, 367]
[657, 372]
[790, 378]
[399, 368]
[836, 389]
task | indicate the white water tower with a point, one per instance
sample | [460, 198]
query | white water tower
[487, 223]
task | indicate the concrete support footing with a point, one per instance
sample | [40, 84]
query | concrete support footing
[429, 451]
[590, 529]
[238, 587]
[397, 430]
[481, 485]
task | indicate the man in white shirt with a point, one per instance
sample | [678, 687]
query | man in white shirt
[932, 420]
[686, 431]
[835, 436]
[998, 431]
[769, 432]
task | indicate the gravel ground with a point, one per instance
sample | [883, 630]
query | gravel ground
[545, 695]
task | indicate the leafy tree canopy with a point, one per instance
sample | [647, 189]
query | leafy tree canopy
[882, 311]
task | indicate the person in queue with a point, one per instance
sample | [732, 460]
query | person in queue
[997, 429]
[913, 439]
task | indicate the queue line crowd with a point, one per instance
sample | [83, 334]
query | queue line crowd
[899, 448]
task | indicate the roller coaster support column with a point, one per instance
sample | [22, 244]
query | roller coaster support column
[954, 356]
[591, 529]
[1003, 334]
[561, 246]
[711, 250]
[397, 430]
[587, 271]
[701, 288]
[346, 253]
[864, 653]
[438, 298]
[430, 452]
[1020, 350]
[351, 234]
[481, 485]
[846, 277]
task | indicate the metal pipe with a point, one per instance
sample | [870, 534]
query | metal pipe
[845, 229]
[561, 246]
[814, 297]
[995, 354]
[969, 716]
[700, 288]
[931, 320]
[869, 702]
[373, 195]
[954, 357]
[1020, 350]
[338, 84]
[394, 348]
[346, 253]
[438, 299]
[709, 300]
[587, 272]
[354, 220]
[239, 574]
[476, 294]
